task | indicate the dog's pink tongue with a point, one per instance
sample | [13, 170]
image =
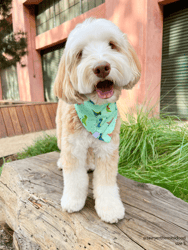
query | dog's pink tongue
[106, 94]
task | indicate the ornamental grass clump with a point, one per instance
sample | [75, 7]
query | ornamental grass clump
[155, 151]
[41, 145]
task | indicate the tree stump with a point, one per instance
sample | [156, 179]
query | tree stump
[30, 193]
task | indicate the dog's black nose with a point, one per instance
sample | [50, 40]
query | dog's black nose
[102, 69]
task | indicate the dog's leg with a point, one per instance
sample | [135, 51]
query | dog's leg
[108, 204]
[59, 131]
[90, 162]
[75, 178]
[59, 123]
[59, 164]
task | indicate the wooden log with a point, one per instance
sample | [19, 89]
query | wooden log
[30, 193]
[21, 242]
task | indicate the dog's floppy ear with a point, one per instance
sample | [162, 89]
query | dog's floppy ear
[63, 88]
[134, 63]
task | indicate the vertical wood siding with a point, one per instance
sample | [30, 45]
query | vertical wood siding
[26, 118]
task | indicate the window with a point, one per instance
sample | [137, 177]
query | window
[174, 79]
[8, 76]
[9, 83]
[51, 13]
[50, 62]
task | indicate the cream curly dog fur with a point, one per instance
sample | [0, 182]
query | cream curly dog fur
[97, 53]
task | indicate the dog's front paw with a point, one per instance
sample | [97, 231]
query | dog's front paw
[59, 164]
[72, 204]
[110, 210]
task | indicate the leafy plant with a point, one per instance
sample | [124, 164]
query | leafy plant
[13, 46]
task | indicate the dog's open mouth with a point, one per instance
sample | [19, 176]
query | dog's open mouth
[105, 89]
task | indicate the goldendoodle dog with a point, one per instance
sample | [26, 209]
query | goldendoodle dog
[97, 63]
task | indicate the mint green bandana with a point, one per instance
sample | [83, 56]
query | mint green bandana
[99, 120]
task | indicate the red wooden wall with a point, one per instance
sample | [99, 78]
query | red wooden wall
[26, 118]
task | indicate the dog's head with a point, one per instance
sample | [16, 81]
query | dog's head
[97, 63]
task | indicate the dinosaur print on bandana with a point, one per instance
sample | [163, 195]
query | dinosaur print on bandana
[99, 120]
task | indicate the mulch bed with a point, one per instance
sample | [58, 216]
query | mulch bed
[9, 157]
[6, 237]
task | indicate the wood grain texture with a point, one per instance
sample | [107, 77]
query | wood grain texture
[31, 191]
[47, 116]
[54, 105]
[15, 121]
[28, 118]
[21, 242]
[22, 120]
[8, 121]
[35, 118]
[52, 114]
[3, 132]
[25, 118]
[41, 117]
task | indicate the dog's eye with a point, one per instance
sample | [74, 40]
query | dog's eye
[112, 45]
[79, 55]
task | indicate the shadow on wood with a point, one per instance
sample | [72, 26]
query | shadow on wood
[30, 193]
